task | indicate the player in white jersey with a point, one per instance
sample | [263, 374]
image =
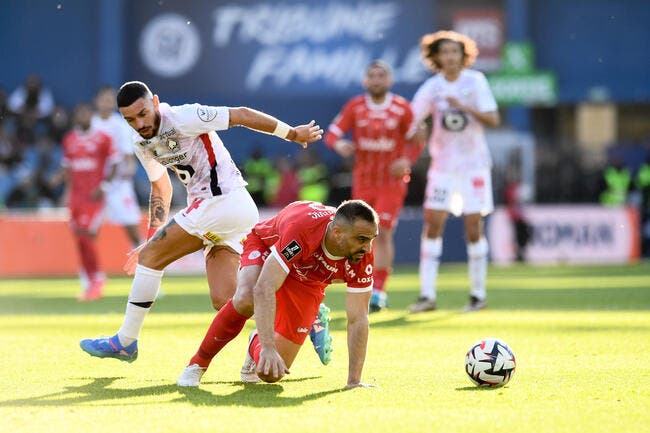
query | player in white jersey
[121, 202]
[219, 211]
[461, 104]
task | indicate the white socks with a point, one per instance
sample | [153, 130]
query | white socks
[144, 290]
[430, 251]
[477, 267]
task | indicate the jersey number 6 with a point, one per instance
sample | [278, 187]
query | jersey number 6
[184, 172]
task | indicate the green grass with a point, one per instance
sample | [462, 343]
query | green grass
[581, 336]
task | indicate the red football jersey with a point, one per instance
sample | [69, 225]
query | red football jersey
[295, 237]
[379, 135]
[86, 155]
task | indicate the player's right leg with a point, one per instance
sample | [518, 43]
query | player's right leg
[169, 244]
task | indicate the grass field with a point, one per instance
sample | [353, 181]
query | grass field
[581, 336]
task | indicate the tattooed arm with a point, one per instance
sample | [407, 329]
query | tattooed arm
[159, 202]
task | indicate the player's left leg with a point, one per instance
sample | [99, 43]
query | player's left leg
[287, 349]
[477, 252]
[221, 267]
[477, 201]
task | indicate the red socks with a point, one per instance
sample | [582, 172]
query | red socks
[254, 348]
[380, 276]
[88, 255]
[226, 325]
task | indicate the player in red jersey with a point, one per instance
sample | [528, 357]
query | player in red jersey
[88, 155]
[379, 122]
[287, 263]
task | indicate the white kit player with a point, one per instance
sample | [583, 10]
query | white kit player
[458, 181]
[121, 202]
[220, 211]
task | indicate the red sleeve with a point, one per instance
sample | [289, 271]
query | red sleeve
[341, 125]
[361, 275]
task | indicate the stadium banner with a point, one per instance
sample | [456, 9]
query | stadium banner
[270, 49]
[588, 234]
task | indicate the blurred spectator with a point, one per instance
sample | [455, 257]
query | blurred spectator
[616, 182]
[258, 171]
[314, 184]
[287, 184]
[30, 103]
[643, 187]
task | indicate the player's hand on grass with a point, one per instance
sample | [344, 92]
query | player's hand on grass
[132, 260]
[305, 134]
[271, 364]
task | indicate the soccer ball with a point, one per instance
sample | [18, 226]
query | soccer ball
[490, 362]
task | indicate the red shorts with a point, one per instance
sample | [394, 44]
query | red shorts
[387, 201]
[86, 215]
[296, 304]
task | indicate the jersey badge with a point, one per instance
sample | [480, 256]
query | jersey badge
[205, 113]
[173, 146]
[291, 250]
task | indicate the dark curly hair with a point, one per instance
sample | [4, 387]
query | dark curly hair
[430, 44]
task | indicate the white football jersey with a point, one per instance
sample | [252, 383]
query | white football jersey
[187, 144]
[119, 131]
[457, 142]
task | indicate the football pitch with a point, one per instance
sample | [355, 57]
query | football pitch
[581, 336]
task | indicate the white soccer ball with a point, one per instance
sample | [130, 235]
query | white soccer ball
[490, 362]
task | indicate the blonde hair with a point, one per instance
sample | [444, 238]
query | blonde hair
[430, 44]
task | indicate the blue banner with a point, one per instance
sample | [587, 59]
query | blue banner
[269, 49]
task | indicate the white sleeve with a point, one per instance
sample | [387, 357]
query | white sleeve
[484, 98]
[196, 119]
[125, 137]
[421, 104]
[153, 168]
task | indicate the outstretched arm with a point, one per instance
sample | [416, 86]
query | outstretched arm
[253, 119]
[356, 307]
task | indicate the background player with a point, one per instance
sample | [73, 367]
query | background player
[121, 202]
[220, 211]
[461, 103]
[378, 122]
[288, 262]
[88, 154]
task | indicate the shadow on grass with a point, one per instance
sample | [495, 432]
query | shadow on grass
[97, 391]
[579, 299]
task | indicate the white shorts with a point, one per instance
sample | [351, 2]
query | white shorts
[466, 193]
[121, 204]
[220, 220]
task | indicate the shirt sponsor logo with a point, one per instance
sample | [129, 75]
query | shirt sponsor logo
[291, 250]
[173, 159]
[302, 330]
[254, 255]
[205, 113]
[377, 145]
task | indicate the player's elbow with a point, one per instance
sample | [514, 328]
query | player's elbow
[240, 116]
